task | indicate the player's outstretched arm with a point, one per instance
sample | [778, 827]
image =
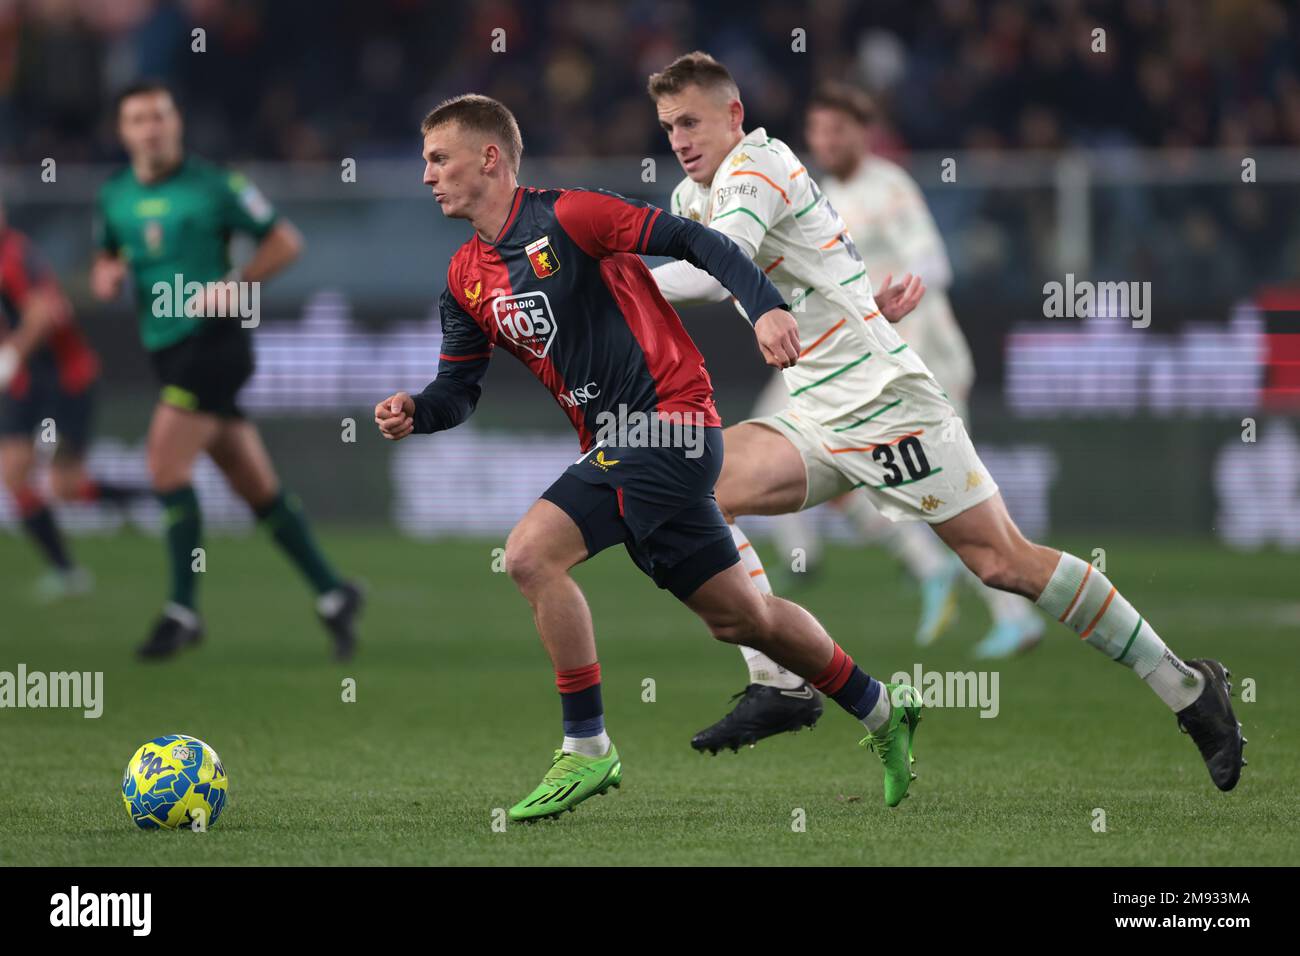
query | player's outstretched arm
[682, 284]
[603, 224]
[776, 329]
[717, 255]
[451, 397]
[445, 402]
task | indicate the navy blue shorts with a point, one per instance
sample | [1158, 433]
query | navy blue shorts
[658, 503]
[45, 398]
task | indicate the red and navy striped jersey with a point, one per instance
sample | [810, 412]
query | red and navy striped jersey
[563, 289]
[65, 354]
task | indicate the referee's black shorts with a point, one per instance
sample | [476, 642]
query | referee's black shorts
[205, 371]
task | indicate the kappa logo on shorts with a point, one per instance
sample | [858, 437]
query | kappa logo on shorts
[526, 319]
[931, 503]
[973, 480]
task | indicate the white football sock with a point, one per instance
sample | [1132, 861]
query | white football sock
[596, 746]
[181, 613]
[1084, 600]
[762, 669]
[879, 714]
[1174, 682]
[796, 531]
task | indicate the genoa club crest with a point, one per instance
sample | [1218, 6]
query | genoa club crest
[542, 256]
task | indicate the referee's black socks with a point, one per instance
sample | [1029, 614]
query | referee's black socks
[284, 518]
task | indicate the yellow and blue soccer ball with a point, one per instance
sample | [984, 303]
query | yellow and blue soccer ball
[174, 782]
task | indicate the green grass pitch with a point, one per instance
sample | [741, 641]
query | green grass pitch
[456, 714]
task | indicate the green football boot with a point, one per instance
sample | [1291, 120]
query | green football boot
[571, 779]
[893, 742]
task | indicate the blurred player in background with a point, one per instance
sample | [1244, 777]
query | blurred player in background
[47, 371]
[553, 277]
[866, 412]
[168, 218]
[891, 225]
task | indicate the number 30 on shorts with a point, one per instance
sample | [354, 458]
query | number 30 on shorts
[911, 453]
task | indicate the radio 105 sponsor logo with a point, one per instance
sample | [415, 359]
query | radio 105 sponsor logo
[526, 319]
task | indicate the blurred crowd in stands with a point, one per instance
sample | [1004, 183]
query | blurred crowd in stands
[312, 79]
[324, 79]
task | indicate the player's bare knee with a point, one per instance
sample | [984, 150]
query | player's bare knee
[527, 562]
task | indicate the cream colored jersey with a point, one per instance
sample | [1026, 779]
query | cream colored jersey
[763, 198]
[891, 225]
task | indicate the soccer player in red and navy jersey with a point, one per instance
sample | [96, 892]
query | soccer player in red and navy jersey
[47, 371]
[554, 278]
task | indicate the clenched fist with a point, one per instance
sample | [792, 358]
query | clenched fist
[395, 416]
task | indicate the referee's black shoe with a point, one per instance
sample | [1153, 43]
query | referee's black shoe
[177, 628]
[338, 610]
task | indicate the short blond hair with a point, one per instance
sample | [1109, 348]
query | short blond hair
[482, 114]
[692, 69]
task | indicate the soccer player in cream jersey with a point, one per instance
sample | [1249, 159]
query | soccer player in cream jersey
[891, 226]
[865, 412]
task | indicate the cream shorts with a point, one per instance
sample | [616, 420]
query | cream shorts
[908, 450]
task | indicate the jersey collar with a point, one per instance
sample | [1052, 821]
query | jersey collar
[506, 226]
[176, 171]
[755, 137]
